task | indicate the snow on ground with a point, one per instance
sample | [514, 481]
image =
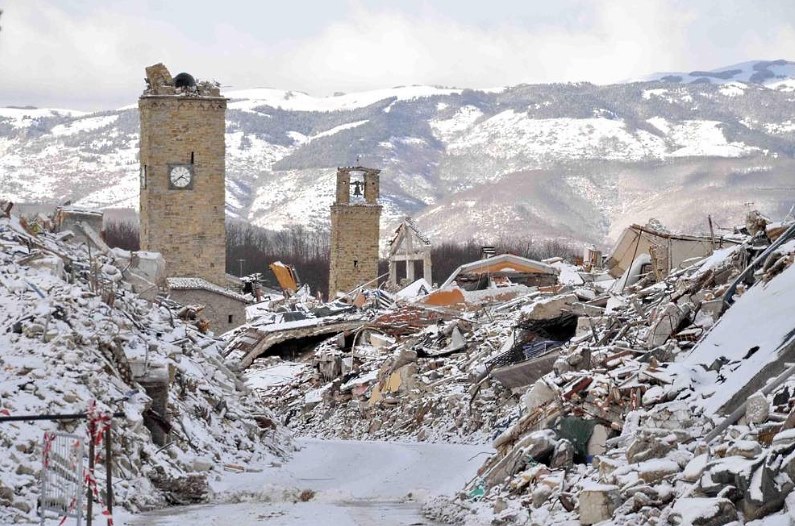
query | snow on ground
[82, 125]
[783, 127]
[301, 139]
[279, 374]
[699, 138]
[657, 92]
[63, 345]
[673, 96]
[705, 138]
[786, 85]
[568, 273]
[338, 129]
[123, 194]
[733, 89]
[24, 117]
[293, 199]
[354, 482]
[509, 134]
[463, 119]
[745, 72]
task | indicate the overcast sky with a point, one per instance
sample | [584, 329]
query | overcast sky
[91, 54]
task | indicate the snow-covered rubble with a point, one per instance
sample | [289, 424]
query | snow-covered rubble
[659, 397]
[659, 407]
[396, 386]
[72, 331]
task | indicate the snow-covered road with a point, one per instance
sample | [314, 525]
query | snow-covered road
[354, 482]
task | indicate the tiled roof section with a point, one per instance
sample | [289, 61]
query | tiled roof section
[203, 284]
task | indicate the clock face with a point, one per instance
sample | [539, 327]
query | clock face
[180, 177]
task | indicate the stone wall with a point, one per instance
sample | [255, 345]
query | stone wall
[186, 226]
[355, 232]
[217, 308]
[354, 246]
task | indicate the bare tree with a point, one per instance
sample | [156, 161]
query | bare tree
[307, 250]
[122, 234]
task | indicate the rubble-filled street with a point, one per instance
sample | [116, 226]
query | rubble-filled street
[655, 386]
[376, 263]
[662, 397]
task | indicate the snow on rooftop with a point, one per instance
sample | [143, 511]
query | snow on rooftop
[183, 283]
[761, 318]
[569, 274]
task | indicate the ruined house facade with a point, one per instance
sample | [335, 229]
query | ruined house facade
[665, 250]
[75, 219]
[182, 170]
[355, 231]
[409, 245]
[224, 309]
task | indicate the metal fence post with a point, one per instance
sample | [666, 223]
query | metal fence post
[109, 472]
[89, 505]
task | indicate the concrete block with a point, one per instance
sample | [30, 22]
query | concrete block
[598, 502]
[757, 409]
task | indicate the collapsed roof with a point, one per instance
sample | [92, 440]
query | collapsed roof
[516, 268]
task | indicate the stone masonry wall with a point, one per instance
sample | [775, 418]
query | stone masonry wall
[217, 308]
[186, 226]
[354, 238]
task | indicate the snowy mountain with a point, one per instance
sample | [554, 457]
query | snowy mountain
[557, 160]
[771, 73]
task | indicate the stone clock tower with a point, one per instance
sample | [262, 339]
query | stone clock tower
[355, 230]
[182, 174]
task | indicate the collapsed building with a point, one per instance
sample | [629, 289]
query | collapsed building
[494, 278]
[74, 332]
[668, 399]
[409, 246]
[665, 250]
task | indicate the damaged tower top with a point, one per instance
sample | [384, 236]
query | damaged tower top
[160, 82]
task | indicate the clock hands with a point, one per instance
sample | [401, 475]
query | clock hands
[180, 177]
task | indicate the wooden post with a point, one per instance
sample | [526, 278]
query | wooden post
[711, 232]
[109, 472]
[89, 495]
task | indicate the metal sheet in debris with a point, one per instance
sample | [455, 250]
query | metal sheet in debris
[526, 372]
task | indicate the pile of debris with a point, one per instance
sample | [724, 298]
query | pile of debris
[412, 370]
[419, 390]
[601, 397]
[629, 428]
[73, 331]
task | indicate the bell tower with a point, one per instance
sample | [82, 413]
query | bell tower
[355, 230]
[182, 172]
